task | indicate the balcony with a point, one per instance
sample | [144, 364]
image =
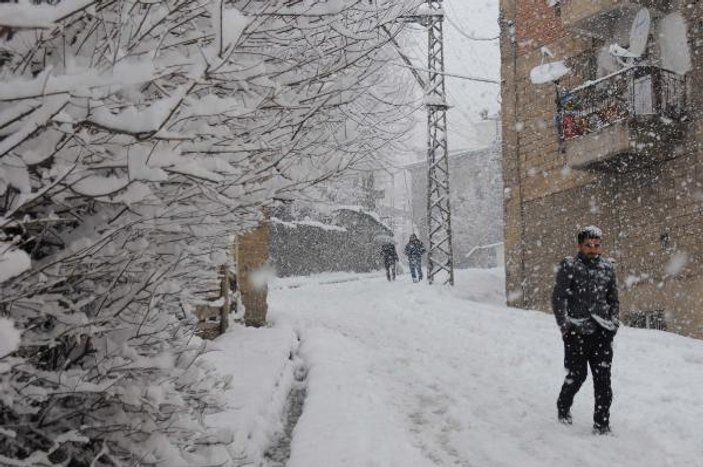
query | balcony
[604, 18]
[623, 120]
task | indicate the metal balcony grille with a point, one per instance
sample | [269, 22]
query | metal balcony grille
[629, 93]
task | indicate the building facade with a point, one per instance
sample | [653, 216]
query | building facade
[601, 105]
[476, 192]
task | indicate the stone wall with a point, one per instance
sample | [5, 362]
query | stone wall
[252, 253]
[349, 243]
[651, 216]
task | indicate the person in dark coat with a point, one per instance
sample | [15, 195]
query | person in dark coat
[586, 307]
[414, 251]
[390, 258]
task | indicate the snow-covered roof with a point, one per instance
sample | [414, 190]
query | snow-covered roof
[316, 224]
[361, 210]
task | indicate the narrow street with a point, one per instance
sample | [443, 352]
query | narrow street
[403, 374]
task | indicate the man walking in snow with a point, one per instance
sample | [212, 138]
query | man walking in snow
[414, 251]
[390, 258]
[586, 307]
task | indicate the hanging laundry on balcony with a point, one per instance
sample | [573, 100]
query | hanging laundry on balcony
[568, 120]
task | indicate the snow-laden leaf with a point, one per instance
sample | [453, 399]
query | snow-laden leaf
[124, 74]
[15, 113]
[9, 336]
[136, 192]
[13, 261]
[97, 185]
[138, 120]
[13, 173]
[27, 14]
[196, 170]
[139, 170]
[37, 150]
[229, 24]
[38, 119]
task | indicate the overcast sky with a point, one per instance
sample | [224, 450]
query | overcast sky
[466, 19]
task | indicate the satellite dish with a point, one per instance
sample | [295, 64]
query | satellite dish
[639, 34]
[548, 72]
[621, 52]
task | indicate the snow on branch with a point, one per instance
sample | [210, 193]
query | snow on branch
[135, 139]
[124, 74]
[28, 15]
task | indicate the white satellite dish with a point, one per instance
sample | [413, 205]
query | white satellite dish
[639, 34]
[621, 52]
[548, 72]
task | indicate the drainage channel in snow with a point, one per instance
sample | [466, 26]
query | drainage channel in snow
[279, 453]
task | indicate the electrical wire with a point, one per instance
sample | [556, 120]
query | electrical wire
[463, 33]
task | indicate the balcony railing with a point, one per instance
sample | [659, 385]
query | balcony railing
[630, 93]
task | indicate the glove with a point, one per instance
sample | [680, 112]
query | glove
[565, 329]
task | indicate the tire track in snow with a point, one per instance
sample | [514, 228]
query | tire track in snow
[279, 453]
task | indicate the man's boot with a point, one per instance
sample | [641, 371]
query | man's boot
[564, 417]
[601, 429]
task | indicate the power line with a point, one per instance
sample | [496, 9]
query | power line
[465, 34]
[453, 75]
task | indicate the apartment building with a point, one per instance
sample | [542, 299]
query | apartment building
[601, 105]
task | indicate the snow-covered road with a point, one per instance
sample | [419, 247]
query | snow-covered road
[402, 374]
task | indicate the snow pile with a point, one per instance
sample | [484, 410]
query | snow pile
[261, 375]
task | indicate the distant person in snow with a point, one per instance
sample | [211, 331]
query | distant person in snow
[414, 251]
[586, 307]
[390, 258]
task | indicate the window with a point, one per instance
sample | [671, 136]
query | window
[647, 319]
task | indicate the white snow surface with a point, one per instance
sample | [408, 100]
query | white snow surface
[402, 374]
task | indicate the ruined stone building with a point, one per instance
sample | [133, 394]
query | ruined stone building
[601, 105]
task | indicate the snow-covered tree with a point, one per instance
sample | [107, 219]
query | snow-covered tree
[135, 139]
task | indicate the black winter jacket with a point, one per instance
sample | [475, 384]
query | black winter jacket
[586, 293]
[389, 252]
[414, 249]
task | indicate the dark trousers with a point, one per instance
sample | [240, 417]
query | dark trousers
[390, 269]
[415, 264]
[594, 350]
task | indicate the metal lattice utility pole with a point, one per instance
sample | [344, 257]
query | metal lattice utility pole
[440, 259]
